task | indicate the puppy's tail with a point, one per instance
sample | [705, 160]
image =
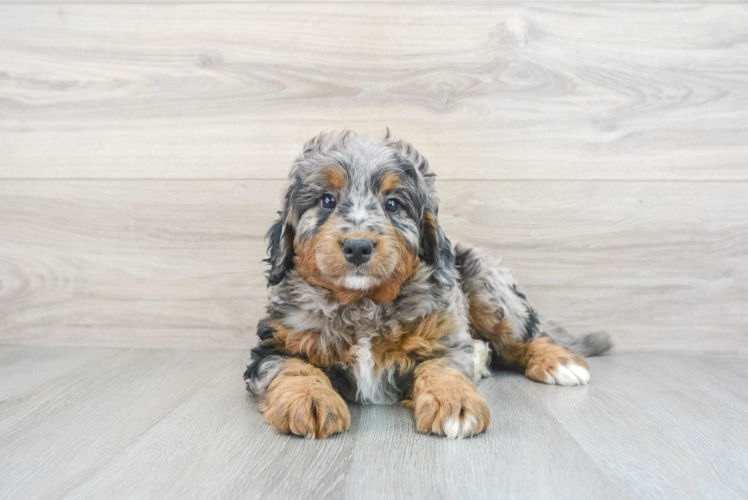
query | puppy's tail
[591, 344]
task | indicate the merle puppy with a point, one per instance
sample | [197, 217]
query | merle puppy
[370, 302]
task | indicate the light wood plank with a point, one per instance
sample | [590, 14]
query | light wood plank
[639, 260]
[380, 457]
[143, 264]
[524, 454]
[648, 426]
[49, 364]
[663, 426]
[67, 430]
[217, 445]
[157, 264]
[509, 91]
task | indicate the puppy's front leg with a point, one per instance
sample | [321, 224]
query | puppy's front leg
[301, 401]
[444, 401]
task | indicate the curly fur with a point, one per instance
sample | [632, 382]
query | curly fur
[401, 326]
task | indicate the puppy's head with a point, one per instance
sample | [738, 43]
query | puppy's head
[359, 216]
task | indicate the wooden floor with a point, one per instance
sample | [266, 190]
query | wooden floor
[599, 146]
[115, 423]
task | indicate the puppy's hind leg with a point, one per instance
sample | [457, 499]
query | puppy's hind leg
[542, 360]
[501, 315]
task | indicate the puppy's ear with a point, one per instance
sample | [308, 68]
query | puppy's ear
[436, 250]
[280, 245]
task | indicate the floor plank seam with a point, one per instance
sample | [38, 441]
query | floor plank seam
[85, 367]
[136, 437]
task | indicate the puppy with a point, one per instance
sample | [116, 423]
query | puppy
[370, 303]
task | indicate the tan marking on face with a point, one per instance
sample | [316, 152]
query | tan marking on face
[390, 181]
[320, 261]
[324, 248]
[334, 177]
[405, 266]
[307, 343]
[442, 393]
[402, 345]
[301, 401]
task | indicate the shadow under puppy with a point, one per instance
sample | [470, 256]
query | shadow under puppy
[370, 302]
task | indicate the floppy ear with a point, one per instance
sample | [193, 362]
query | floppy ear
[280, 246]
[436, 250]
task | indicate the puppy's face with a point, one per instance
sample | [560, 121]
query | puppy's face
[361, 232]
[358, 215]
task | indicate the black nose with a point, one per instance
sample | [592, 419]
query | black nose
[357, 251]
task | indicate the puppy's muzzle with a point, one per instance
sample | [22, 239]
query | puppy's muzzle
[357, 252]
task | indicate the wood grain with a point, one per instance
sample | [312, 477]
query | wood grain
[639, 260]
[166, 424]
[511, 91]
[51, 363]
[685, 412]
[65, 430]
[177, 263]
[217, 445]
[524, 454]
[133, 263]
[600, 147]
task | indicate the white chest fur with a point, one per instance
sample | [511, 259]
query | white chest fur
[373, 387]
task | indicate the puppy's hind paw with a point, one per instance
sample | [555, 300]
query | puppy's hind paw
[568, 374]
[559, 373]
[553, 364]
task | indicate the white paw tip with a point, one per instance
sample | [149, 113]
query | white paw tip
[468, 426]
[451, 427]
[458, 428]
[569, 374]
[582, 373]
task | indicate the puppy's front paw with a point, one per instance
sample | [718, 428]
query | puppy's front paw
[449, 413]
[318, 414]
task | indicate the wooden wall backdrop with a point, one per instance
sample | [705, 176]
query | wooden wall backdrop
[600, 147]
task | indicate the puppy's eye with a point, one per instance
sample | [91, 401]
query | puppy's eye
[328, 201]
[392, 205]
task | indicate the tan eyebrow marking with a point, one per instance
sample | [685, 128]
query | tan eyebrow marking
[390, 181]
[334, 177]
